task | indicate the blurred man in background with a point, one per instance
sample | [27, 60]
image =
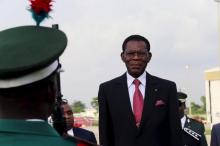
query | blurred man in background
[76, 131]
[215, 135]
[193, 131]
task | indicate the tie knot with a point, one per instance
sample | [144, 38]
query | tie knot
[136, 82]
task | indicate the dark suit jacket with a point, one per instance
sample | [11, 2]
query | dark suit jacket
[84, 134]
[160, 124]
[194, 126]
[215, 136]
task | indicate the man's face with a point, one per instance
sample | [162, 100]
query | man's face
[181, 109]
[136, 57]
[68, 115]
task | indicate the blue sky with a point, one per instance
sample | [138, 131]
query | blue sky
[181, 33]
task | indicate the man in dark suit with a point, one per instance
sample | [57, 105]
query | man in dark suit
[76, 131]
[215, 136]
[138, 109]
[193, 130]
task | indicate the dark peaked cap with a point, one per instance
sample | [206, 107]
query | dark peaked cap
[181, 97]
[27, 49]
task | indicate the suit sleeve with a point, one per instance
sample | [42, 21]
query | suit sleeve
[174, 120]
[214, 139]
[93, 139]
[105, 126]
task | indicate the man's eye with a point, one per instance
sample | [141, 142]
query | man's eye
[141, 53]
[69, 112]
[131, 53]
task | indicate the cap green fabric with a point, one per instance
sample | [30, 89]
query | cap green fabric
[27, 49]
[181, 96]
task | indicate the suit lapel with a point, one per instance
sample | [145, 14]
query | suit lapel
[187, 123]
[149, 99]
[150, 93]
[124, 97]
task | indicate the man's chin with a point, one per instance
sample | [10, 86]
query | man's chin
[135, 73]
[69, 127]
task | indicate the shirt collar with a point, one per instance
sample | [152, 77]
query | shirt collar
[183, 120]
[141, 78]
[70, 132]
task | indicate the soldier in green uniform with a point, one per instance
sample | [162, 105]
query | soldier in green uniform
[28, 85]
[192, 130]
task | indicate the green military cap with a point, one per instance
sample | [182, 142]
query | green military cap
[29, 54]
[181, 97]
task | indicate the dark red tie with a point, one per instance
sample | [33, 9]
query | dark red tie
[138, 102]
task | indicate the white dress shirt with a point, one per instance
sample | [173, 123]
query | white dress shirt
[131, 86]
[70, 132]
[183, 120]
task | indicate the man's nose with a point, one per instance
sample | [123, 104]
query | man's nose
[136, 55]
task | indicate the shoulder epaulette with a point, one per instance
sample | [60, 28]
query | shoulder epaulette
[192, 133]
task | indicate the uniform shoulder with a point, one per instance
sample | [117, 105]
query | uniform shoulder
[194, 128]
[196, 121]
[196, 124]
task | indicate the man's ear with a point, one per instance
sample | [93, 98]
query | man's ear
[122, 56]
[149, 56]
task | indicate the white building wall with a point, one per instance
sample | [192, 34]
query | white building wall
[212, 88]
[215, 101]
[208, 107]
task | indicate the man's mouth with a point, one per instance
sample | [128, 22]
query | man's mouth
[135, 65]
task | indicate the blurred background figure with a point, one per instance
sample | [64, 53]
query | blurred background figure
[76, 131]
[193, 130]
[215, 136]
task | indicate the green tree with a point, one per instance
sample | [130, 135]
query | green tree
[78, 107]
[199, 109]
[203, 107]
[94, 103]
[195, 108]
